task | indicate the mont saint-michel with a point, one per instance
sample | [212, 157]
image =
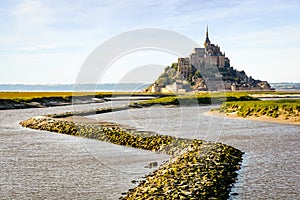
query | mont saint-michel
[205, 69]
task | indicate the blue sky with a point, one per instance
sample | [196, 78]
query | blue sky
[47, 41]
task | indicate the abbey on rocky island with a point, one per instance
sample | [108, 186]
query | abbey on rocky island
[205, 69]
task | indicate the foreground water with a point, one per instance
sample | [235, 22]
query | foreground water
[270, 169]
[44, 165]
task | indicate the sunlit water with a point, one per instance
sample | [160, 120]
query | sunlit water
[270, 169]
[44, 165]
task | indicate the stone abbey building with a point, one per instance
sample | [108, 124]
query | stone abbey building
[202, 58]
[206, 69]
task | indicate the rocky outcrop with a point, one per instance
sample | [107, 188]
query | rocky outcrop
[225, 78]
[205, 171]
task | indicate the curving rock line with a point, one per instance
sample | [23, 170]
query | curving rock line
[197, 169]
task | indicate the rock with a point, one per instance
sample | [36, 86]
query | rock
[151, 165]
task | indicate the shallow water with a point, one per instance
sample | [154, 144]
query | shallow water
[270, 169]
[44, 165]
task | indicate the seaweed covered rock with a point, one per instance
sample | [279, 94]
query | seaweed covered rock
[197, 169]
[206, 171]
[111, 133]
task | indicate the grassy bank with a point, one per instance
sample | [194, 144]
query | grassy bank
[20, 100]
[15, 100]
[197, 99]
[197, 170]
[283, 109]
[169, 100]
[27, 96]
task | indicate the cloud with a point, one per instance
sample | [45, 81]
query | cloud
[34, 48]
[31, 15]
[46, 33]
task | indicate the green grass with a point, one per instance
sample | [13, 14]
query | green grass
[204, 98]
[33, 95]
[198, 98]
[280, 108]
[29, 96]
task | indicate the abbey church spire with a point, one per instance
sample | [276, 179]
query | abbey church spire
[207, 31]
[207, 41]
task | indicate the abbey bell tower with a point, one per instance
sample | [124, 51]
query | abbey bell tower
[207, 41]
[202, 58]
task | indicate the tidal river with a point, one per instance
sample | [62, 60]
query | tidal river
[271, 165]
[44, 165]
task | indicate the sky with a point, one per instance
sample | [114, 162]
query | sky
[47, 41]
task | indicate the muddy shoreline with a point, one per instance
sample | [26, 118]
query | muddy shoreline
[253, 118]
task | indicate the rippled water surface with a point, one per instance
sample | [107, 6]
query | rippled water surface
[44, 165]
[270, 169]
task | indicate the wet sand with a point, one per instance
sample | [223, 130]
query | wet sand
[261, 118]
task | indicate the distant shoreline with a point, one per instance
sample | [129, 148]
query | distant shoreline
[24, 100]
[112, 87]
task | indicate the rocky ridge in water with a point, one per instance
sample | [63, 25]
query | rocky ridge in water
[198, 169]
